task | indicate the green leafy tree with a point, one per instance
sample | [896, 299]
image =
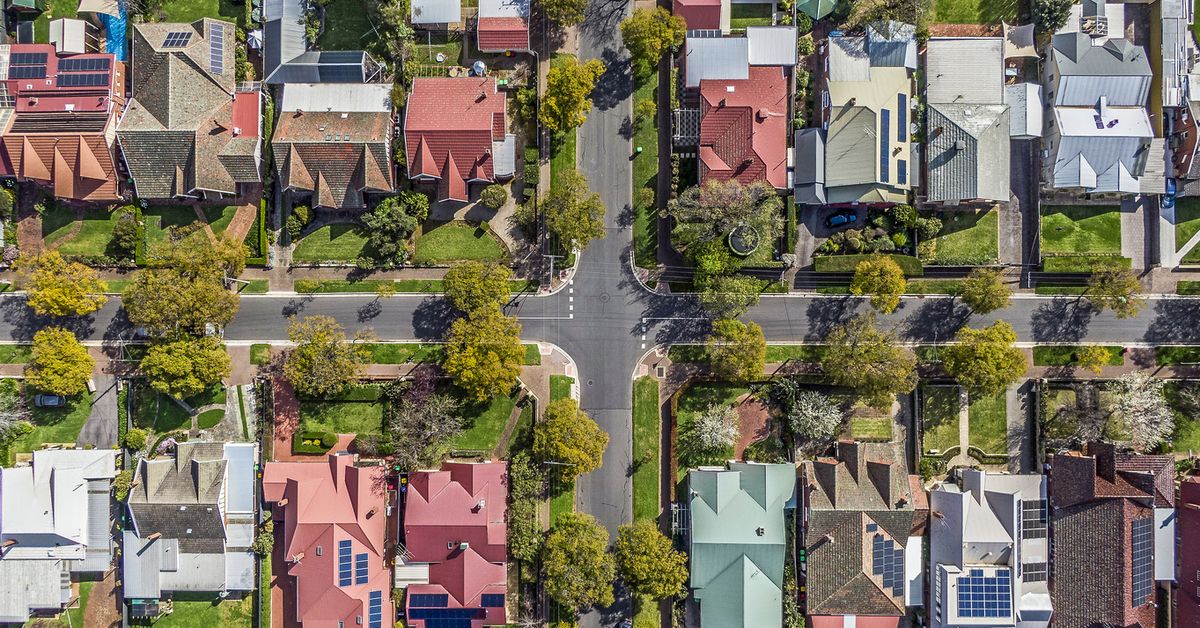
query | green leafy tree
[647, 561]
[1115, 289]
[729, 296]
[526, 485]
[579, 571]
[169, 303]
[985, 361]
[125, 231]
[194, 255]
[564, 12]
[392, 221]
[323, 363]
[737, 350]
[473, 285]
[135, 439]
[1092, 357]
[983, 291]
[707, 214]
[56, 287]
[867, 360]
[567, 99]
[650, 33]
[59, 364]
[568, 437]
[484, 353]
[1051, 15]
[185, 367]
[264, 541]
[574, 211]
[882, 279]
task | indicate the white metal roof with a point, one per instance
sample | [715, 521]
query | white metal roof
[1109, 122]
[771, 45]
[965, 70]
[342, 97]
[503, 8]
[716, 58]
[436, 11]
[504, 156]
[1025, 104]
[239, 486]
[68, 35]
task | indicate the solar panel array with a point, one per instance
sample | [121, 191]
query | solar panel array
[902, 115]
[1142, 554]
[1036, 572]
[216, 49]
[344, 570]
[887, 560]
[885, 145]
[27, 58]
[901, 171]
[93, 64]
[446, 613]
[491, 600]
[82, 80]
[177, 39]
[375, 609]
[429, 600]
[27, 72]
[982, 595]
[360, 568]
[1033, 519]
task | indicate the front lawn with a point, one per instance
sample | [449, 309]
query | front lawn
[210, 418]
[560, 387]
[342, 242]
[645, 178]
[933, 286]
[483, 424]
[260, 354]
[974, 11]
[1066, 355]
[51, 425]
[1186, 438]
[347, 26]
[744, 15]
[1187, 224]
[90, 236]
[15, 354]
[940, 412]
[158, 412]
[1081, 229]
[966, 238]
[988, 423]
[645, 448]
[160, 218]
[191, 10]
[446, 242]
[1166, 356]
[403, 352]
[697, 398]
[358, 411]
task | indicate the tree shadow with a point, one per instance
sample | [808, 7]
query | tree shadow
[826, 314]
[370, 310]
[615, 85]
[1062, 320]
[1175, 320]
[936, 320]
[432, 318]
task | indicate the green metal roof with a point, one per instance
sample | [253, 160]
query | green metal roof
[817, 9]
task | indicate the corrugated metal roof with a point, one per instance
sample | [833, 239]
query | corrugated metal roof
[240, 483]
[1175, 58]
[28, 584]
[968, 152]
[283, 34]
[504, 156]
[239, 571]
[848, 60]
[716, 58]
[1025, 109]
[142, 560]
[810, 166]
[1117, 69]
[965, 70]
[892, 44]
[504, 8]
[436, 11]
[771, 45]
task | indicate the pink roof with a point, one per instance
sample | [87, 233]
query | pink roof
[1187, 597]
[498, 34]
[856, 621]
[245, 113]
[699, 13]
[462, 503]
[743, 130]
[328, 504]
[459, 116]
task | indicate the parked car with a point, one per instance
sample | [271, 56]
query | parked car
[841, 219]
[49, 401]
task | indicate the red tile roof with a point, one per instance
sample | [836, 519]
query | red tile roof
[245, 113]
[327, 504]
[459, 116]
[499, 34]
[743, 128]
[699, 14]
[463, 504]
[1187, 597]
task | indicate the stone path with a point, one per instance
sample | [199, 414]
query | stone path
[103, 608]
[964, 431]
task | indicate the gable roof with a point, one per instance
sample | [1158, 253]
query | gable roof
[460, 119]
[700, 14]
[503, 25]
[743, 130]
[968, 152]
[45, 509]
[283, 33]
[436, 11]
[964, 70]
[326, 66]
[179, 497]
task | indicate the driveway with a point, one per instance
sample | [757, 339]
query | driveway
[1019, 223]
[1137, 216]
[101, 427]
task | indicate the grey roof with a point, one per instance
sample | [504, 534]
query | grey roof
[737, 540]
[964, 70]
[436, 11]
[337, 66]
[1175, 40]
[848, 59]
[283, 33]
[892, 44]
[810, 166]
[504, 156]
[771, 45]
[716, 58]
[179, 496]
[239, 489]
[29, 584]
[1117, 70]
[968, 152]
[153, 566]
[99, 538]
[1024, 102]
[368, 97]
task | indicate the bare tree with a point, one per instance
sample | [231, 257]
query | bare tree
[1141, 403]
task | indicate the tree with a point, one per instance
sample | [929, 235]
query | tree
[737, 350]
[647, 561]
[708, 213]
[322, 364]
[983, 291]
[1092, 357]
[264, 541]
[729, 296]
[14, 414]
[185, 367]
[567, 99]
[385, 290]
[125, 231]
[57, 287]
[484, 353]
[564, 12]
[813, 418]
[472, 286]
[418, 422]
[59, 364]
[985, 361]
[709, 435]
[579, 569]
[168, 303]
[1051, 15]
[135, 438]
[494, 196]
[1143, 406]
[1115, 289]
[650, 33]
[526, 485]
[574, 211]
[881, 278]
[867, 360]
[392, 221]
[189, 250]
[569, 438]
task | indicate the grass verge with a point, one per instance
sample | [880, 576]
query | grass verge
[646, 437]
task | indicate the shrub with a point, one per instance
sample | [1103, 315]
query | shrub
[6, 202]
[302, 213]
[121, 484]
[125, 231]
[805, 45]
[135, 439]
[928, 228]
[904, 215]
[531, 175]
[307, 286]
[882, 244]
[494, 196]
[264, 541]
[293, 227]
[900, 239]
[313, 442]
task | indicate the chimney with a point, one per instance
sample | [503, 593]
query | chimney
[154, 537]
[8, 543]
[960, 145]
[299, 112]
[937, 513]
[828, 538]
[480, 505]
[372, 512]
[1106, 459]
[464, 546]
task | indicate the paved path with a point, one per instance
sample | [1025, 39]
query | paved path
[100, 429]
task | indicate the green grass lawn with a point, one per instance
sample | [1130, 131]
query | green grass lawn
[1177, 355]
[324, 286]
[967, 237]
[1188, 288]
[871, 429]
[160, 218]
[1081, 229]
[645, 177]
[522, 434]
[789, 353]
[158, 412]
[340, 242]
[76, 614]
[562, 499]
[15, 354]
[201, 611]
[483, 424]
[94, 235]
[435, 286]
[562, 146]
[192, 10]
[347, 26]
[988, 423]
[560, 387]
[697, 398]
[933, 286]
[939, 409]
[430, 43]
[210, 418]
[341, 417]
[744, 15]
[974, 11]
[1062, 355]
[51, 425]
[54, 10]
[1187, 223]
[256, 286]
[403, 352]
[116, 286]
[446, 242]
[1187, 426]
[646, 435]
[1059, 404]
[260, 354]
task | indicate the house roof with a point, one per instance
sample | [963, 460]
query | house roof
[1025, 106]
[283, 33]
[1117, 70]
[328, 66]
[455, 119]
[892, 44]
[964, 70]
[968, 152]
[737, 540]
[335, 155]
[45, 508]
[743, 128]
[1187, 595]
[179, 497]
[328, 507]
[503, 25]
[1102, 148]
[817, 9]
[699, 14]
[726, 58]
[771, 45]
[436, 11]
[810, 166]
[26, 585]
[319, 97]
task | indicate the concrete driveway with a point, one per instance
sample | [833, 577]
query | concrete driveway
[101, 426]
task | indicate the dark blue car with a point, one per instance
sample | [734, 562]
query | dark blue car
[841, 219]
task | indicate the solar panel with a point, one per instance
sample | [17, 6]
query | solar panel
[178, 39]
[887, 560]
[1142, 553]
[491, 600]
[885, 129]
[375, 609]
[430, 600]
[216, 49]
[446, 613]
[344, 571]
[901, 171]
[94, 64]
[82, 80]
[901, 118]
[1035, 572]
[982, 595]
[1033, 519]
[27, 72]
[27, 58]
[360, 568]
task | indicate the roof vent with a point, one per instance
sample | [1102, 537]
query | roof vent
[321, 128]
[464, 546]
[189, 531]
[328, 137]
[237, 131]
[345, 115]
[937, 513]
[960, 145]
[730, 89]
[760, 531]
[479, 506]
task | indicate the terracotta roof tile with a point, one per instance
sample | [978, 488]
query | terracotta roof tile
[503, 33]
[459, 116]
[743, 125]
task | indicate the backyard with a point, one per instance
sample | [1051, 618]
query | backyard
[347, 26]
[1087, 229]
[339, 242]
[160, 218]
[1186, 439]
[430, 43]
[966, 238]
[940, 415]
[50, 425]
[89, 233]
[199, 611]
[987, 427]
[974, 11]
[744, 15]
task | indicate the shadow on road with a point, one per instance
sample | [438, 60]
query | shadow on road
[1175, 320]
[1062, 320]
[432, 318]
[935, 320]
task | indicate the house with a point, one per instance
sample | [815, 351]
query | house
[1113, 525]
[55, 518]
[736, 542]
[191, 525]
[862, 538]
[333, 142]
[709, 15]
[286, 58]
[455, 533]
[333, 517]
[188, 131]
[743, 128]
[503, 26]
[865, 112]
[456, 134]
[968, 121]
[989, 551]
[58, 115]
[1187, 596]
[435, 13]
[730, 58]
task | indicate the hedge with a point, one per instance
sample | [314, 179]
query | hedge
[1169, 355]
[313, 442]
[846, 263]
[1188, 288]
[986, 458]
[1083, 263]
[260, 258]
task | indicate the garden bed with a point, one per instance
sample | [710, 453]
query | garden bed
[1066, 355]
